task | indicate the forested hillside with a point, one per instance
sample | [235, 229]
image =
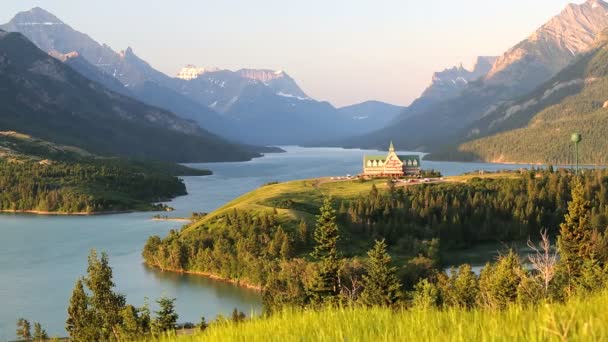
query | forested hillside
[537, 128]
[36, 175]
[265, 237]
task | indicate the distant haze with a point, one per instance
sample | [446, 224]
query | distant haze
[342, 51]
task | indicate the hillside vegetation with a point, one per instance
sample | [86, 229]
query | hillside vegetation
[266, 236]
[39, 176]
[537, 128]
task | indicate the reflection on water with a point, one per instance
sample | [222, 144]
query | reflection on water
[219, 297]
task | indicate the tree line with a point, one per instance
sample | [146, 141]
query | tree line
[86, 185]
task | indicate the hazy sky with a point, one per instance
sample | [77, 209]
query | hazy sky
[343, 51]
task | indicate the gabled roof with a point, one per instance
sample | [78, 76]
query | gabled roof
[408, 157]
[374, 157]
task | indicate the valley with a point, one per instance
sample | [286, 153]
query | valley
[230, 180]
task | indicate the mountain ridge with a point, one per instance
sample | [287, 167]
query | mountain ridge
[45, 98]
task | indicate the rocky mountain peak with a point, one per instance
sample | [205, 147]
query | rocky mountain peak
[191, 71]
[262, 75]
[64, 56]
[34, 17]
[553, 46]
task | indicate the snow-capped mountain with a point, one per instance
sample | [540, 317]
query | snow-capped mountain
[221, 89]
[142, 81]
[250, 105]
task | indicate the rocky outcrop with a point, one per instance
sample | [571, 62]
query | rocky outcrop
[553, 46]
[449, 83]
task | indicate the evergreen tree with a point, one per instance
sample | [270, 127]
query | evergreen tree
[285, 247]
[131, 326]
[237, 316]
[380, 284]
[462, 288]
[203, 324]
[426, 295]
[145, 321]
[24, 331]
[166, 317]
[326, 283]
[39, 333]
[105, 304]
[498, 283]
[80, 325]
[575, 241]
[303, 233]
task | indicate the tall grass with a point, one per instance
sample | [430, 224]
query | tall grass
[581, 319]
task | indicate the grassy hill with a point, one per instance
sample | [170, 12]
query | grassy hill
[250, 239]
[581, 319]
[537, 127]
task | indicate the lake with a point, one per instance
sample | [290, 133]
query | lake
[41, 257]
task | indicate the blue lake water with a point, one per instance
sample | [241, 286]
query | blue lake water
[42, 256]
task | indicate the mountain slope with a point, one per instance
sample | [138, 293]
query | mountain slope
[268, 107]
[255, 106]
[370, 114]
[52, 35]
[432, 125]
[553, 46]
[43, 97]
[449, 83]
[537, 127]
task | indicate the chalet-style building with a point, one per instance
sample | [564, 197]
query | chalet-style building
[391, 165]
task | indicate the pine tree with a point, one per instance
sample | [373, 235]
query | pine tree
[130, 329]
[380, 284]
[426, 295]
[39, 333]
[575, 241]
[303, 233]
[326, 283]
[237, 316]
[498, 283]
[80, 325]
[166, 317]
[105, 304]
[461, 288]
[203, 324]
[285, 247]
[23, 329]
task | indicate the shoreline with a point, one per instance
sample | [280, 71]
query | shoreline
[175, 219]
[61, 213]
[211, 276]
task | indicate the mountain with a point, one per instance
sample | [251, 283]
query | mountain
[552, 47]
[370, 114]
[141, 80]
[259, 101]
[536, 128]
[43, 97]
[449, 83]
[255, 106]
[86, 69]
[429, 125]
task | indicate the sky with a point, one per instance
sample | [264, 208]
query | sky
[341, 51]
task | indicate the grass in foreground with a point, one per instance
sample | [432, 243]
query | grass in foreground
[582, 319]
